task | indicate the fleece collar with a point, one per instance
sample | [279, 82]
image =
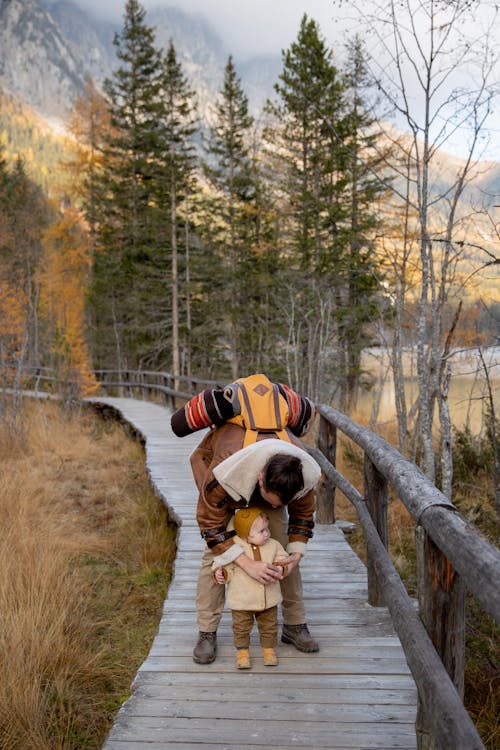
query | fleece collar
[239, 473]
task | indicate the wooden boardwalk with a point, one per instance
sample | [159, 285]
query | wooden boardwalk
[356, 693]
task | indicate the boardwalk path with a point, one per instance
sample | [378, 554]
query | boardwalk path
[356, 693]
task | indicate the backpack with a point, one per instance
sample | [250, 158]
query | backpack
[263, 408]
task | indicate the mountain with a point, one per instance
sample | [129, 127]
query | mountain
[37, 63]
[49, 47]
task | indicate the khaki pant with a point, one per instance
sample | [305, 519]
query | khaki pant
[210, 594]
[267, 624]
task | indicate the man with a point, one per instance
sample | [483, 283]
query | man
[251, 457]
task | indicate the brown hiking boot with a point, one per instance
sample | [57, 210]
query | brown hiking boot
[206, 648]
[243, 658]
[300, 637]
[269, 657]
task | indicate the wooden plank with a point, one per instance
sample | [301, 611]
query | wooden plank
[356, 693]
[268, 734]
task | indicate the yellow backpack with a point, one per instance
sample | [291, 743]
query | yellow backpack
[263, 408]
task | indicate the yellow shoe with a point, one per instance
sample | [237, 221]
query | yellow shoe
[243, 658]
[269, 656]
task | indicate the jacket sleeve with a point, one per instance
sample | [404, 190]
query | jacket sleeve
[301, 410]
[279, 555]
[213, 406]
[214, 505]
[300, 522]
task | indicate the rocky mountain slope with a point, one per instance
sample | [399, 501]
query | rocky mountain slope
[48, 47]
[37, 63]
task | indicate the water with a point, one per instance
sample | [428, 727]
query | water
[467, 394]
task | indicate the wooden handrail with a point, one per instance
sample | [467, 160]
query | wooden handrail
[468, 551]
[453, 556]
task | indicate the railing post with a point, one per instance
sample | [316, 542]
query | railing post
[169, 399]
[376, 493]
[145, 391]
[441, 598]
[325, 492]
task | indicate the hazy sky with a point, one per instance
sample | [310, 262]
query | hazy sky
[247, 27]
[250, 28]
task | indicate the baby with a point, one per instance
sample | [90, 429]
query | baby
[246, 597]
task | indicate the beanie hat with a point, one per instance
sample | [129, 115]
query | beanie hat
[244, 519]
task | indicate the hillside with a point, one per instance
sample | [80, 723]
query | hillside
[42, 146]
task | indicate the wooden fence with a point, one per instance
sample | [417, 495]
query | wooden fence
[453, 557]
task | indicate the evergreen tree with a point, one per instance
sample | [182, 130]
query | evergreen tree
[308, 156]
[25, 215]
[230, 210]
[127, 239]
[320, 144]
[360, 271]
[175, 185]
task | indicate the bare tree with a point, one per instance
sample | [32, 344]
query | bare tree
[437, 80]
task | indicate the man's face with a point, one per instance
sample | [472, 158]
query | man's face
[272, 498]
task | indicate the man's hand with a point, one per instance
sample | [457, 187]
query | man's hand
[261, 571]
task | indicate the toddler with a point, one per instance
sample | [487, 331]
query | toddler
[246, 597]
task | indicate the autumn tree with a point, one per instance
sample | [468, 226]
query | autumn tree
[63, 280]
[89, 123]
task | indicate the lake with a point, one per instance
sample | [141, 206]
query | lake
[467, 388]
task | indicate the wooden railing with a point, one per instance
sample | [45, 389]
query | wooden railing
[453, 557]
[139, 383]
[169, 387]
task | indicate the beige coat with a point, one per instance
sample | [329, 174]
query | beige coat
[244, 592]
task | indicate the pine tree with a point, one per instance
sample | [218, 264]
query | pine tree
[361, 271]
[229, 171]
[321, 143]
[175, 185]
[308, 156]
[26, 214]
[127, 235]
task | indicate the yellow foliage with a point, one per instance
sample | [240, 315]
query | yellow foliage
[13, 306]
[63, 284]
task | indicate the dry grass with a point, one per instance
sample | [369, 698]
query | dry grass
[80, 604]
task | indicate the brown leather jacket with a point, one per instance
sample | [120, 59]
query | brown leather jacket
[215, 506]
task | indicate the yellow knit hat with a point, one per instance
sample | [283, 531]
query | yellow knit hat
[244, 519]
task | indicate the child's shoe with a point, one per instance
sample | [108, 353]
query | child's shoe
[243, 658]
[269, 656]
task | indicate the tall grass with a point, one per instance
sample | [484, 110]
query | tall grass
[85, 557]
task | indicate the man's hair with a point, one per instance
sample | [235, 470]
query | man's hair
[283, 475]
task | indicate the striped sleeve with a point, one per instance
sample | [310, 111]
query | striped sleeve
[210, 407]
[300, 410]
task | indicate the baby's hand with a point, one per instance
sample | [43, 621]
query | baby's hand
[219, 575]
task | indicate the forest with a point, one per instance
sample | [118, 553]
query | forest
[288, 243]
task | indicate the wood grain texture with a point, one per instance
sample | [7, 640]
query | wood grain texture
[355, 694]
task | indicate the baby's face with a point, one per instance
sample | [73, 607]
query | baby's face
[259, 532]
